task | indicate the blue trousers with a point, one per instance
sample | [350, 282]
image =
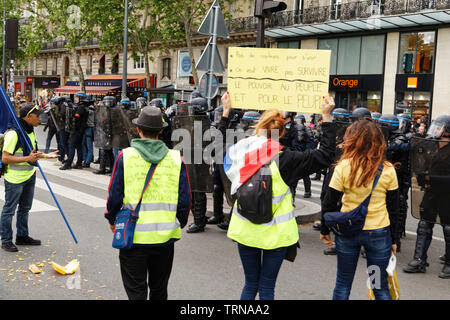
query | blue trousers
[88, 144]
[261, 269]
[17, 195]
[378, 246]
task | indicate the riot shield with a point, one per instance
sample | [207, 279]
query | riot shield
[192, 128]
[430, 180]
[127, 117]
[119, 134]
[341, 127]
[58, 120]
[102, 132]
[70, 118]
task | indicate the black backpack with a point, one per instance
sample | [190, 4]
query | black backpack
[254, 197]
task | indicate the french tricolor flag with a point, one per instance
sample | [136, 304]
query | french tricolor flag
[246, 157]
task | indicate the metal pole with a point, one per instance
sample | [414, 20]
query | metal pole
[125, 52]
[260, 33]
[213, 55]
[4, 83]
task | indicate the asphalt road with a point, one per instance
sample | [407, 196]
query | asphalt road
[206, 265]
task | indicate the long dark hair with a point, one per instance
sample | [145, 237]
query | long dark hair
[364, 146]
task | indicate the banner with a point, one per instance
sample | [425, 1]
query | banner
[283, 79]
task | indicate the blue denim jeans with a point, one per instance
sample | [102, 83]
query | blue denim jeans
[261, 269]
[88, 144]
[378, 246]
[20, 195]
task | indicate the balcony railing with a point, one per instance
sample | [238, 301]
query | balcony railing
[61, 44]
[340, 12]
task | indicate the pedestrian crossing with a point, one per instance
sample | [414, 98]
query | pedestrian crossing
[316, 189]
[83, 187]
[80, 186]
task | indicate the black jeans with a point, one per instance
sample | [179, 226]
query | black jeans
[141, 263]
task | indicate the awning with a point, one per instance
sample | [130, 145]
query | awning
[97, 91]
[374, 22]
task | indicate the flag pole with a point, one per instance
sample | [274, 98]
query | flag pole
[5, 99]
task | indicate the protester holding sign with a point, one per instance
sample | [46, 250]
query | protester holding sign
[270, 241]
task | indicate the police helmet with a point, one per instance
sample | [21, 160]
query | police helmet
[157, 103]
[299, 118]
[171, 111]
[109, 101]
[389, 121]
[125, 103]
[340, 115]
[404, 122]
[360, 113]
[249, 119]
[440, 127]
[199, 105]
[141, 102]
[196, 94]
[57, 100]
[82, 96]
[376, 116]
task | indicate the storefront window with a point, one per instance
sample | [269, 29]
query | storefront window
[416, 104]
[330, 44]
[289, 45]
[416, 52]
[372, 55]
[349, 55]
[357, 99]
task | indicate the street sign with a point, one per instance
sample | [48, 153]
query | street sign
[203, 86]
[211, 52]
[207, 26]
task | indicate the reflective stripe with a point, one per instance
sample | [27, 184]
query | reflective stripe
[152, 206]
[164, 226]
[21, 167]
[276, 220]
[278, 199]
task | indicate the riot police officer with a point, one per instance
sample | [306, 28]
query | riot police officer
[199, 107]
[376, 116]
[398, 153]
[103, 134]
[360, 113]
[77, 125]
[166, 135]
[430, 166]
[141, 102]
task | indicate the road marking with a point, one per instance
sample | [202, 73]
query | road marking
[73, 194]
[38, 206]
[415, 234]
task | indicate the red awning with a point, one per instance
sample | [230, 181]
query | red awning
[98, 91]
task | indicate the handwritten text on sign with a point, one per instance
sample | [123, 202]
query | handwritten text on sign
[284, 79]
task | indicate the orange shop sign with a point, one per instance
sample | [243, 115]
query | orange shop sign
[412, 83]
[345, 83]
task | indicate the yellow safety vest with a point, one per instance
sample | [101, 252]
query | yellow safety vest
[282, 231]
[18, 172]
[157, 221]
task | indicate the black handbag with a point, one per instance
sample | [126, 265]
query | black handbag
[350, 223]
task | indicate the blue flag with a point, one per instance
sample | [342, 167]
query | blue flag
[5, 116]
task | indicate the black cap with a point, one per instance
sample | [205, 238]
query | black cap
[28, 109]
[150, 118]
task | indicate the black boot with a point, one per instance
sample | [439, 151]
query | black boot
[226, 222]
[101, 157]
[217, 206]
[445, 272]
[66, 166]
[199, 213]
[424, 236]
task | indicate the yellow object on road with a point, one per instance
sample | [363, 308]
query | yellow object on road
[70, 268]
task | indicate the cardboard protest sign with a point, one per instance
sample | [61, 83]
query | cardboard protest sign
[283, 79]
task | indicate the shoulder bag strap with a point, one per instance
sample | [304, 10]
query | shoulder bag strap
[150, 173]
[377, 177]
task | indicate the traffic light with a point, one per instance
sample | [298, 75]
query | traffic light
[265, 8]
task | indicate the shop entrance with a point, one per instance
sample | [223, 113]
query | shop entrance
[351, 100]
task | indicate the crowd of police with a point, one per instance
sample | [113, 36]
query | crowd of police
[422, 161]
